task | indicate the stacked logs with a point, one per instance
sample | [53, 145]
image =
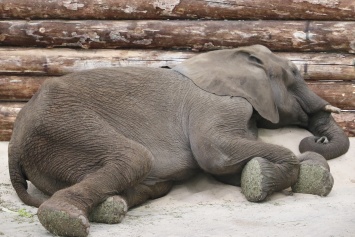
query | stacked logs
[42, 39]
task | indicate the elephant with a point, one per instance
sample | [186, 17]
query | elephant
[104, 140]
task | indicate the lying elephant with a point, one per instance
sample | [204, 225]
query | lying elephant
[105, 140]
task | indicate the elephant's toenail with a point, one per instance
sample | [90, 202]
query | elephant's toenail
[83, 220]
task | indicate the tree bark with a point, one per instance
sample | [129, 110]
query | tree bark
[316, 36]
[178, 9]
[55, 62]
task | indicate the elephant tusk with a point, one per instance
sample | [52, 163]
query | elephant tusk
[332, 109]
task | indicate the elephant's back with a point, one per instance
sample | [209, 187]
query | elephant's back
[119, 79]
[112, 87]
[122, 88]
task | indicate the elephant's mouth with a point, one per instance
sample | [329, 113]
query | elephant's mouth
[304, 113]
[297, 116]
[305, 117]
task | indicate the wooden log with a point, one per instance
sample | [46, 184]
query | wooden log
[50, 62]
[339, 94]
[346, 121]
[9, 111]
[22, 88]
[29, 61]
[323, 66]
[178, 9]
[316, 36]
[14, 88]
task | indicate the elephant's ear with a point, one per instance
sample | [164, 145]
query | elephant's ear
[234, 72]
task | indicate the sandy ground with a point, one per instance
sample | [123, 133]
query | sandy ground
[205, 207]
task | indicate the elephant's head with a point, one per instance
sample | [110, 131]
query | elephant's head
[275, 89]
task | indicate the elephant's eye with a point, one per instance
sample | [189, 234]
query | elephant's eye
[294, 71]
[254, 59]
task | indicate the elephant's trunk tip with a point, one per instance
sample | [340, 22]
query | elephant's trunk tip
[329, 138]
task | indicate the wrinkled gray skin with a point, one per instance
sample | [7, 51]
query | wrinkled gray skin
[132, 132]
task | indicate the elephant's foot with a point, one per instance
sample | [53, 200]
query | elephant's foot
[252, 181]
[261, 177]
[314, 176]
[63, 219]
[111, 211]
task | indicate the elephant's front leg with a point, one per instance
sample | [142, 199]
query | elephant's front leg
[269, 167]
[261, 177]
[314, 176]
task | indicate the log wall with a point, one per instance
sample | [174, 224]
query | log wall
[41, 39]
[305, 36]
[179, 9]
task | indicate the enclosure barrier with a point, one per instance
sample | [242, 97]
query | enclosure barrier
[42, 39]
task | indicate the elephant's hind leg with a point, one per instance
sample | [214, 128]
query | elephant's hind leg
[111, 211]
[114, 208]
[125, 163]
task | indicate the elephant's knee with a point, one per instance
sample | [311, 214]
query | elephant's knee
[129, 162]
[137, 161]
[144, 159]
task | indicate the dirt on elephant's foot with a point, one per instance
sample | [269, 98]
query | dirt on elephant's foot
[314, 176]
[111, 211]
[314, 179]
[63, 220]
[252, 182]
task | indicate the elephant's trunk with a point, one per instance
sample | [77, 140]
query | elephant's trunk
[329, 139]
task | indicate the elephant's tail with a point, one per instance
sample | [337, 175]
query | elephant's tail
[18, 179]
